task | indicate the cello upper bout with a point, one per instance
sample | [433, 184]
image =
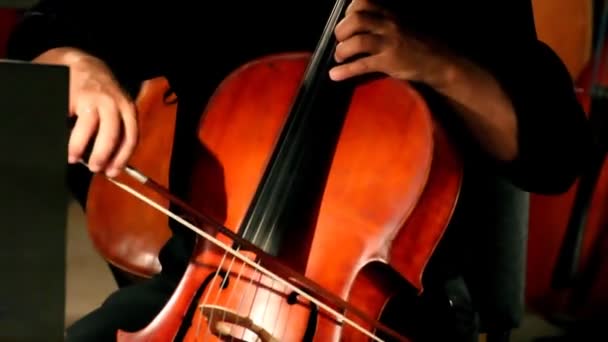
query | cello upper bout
[124, 230]
[567, 27]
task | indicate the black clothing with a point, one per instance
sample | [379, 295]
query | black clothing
[196, 49]
[129, 309]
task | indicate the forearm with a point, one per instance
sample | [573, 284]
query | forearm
[524, 113]
[482, 104]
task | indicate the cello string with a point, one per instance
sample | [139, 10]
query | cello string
[232, 291]
[337, 9]
[226, 278]
[270, 294]
[211, 286]
[218, 290]
[260, 283]
[243, 296]
[327, 32]
[267, 241]
[289, 308]
[265, 245]
[237, 280]
[340, 317]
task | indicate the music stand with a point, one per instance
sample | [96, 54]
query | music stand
[33, 200]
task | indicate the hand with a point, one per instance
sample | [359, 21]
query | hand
[373, 32]
[101, 107]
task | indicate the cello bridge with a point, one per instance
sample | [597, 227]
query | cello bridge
[220, 320]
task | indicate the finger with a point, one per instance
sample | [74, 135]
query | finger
[113, 168]
[366, 6]
[107, 137]
[86, 124]
[360, 22]
[129, 141]
[358, 67]
[368, 44]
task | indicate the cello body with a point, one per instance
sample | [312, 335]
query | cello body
[586, 299]
[126, 232]
[380, 209]
[567, 27]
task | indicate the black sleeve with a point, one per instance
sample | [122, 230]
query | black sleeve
[553, 132]
[118, 32]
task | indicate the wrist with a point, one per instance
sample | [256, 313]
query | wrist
[443, 71]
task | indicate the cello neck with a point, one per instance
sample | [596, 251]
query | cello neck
[293, 181]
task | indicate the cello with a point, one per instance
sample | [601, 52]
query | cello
[566, 26]
[132, 242]
[363, 165]
[567, 263]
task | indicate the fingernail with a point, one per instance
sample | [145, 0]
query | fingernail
[112, 173]
[332, 74]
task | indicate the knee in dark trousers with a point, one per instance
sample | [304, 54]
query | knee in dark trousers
[443, 313]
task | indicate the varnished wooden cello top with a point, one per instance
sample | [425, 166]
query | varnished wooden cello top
[567, 27]
[125, 231]
[585, 297]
